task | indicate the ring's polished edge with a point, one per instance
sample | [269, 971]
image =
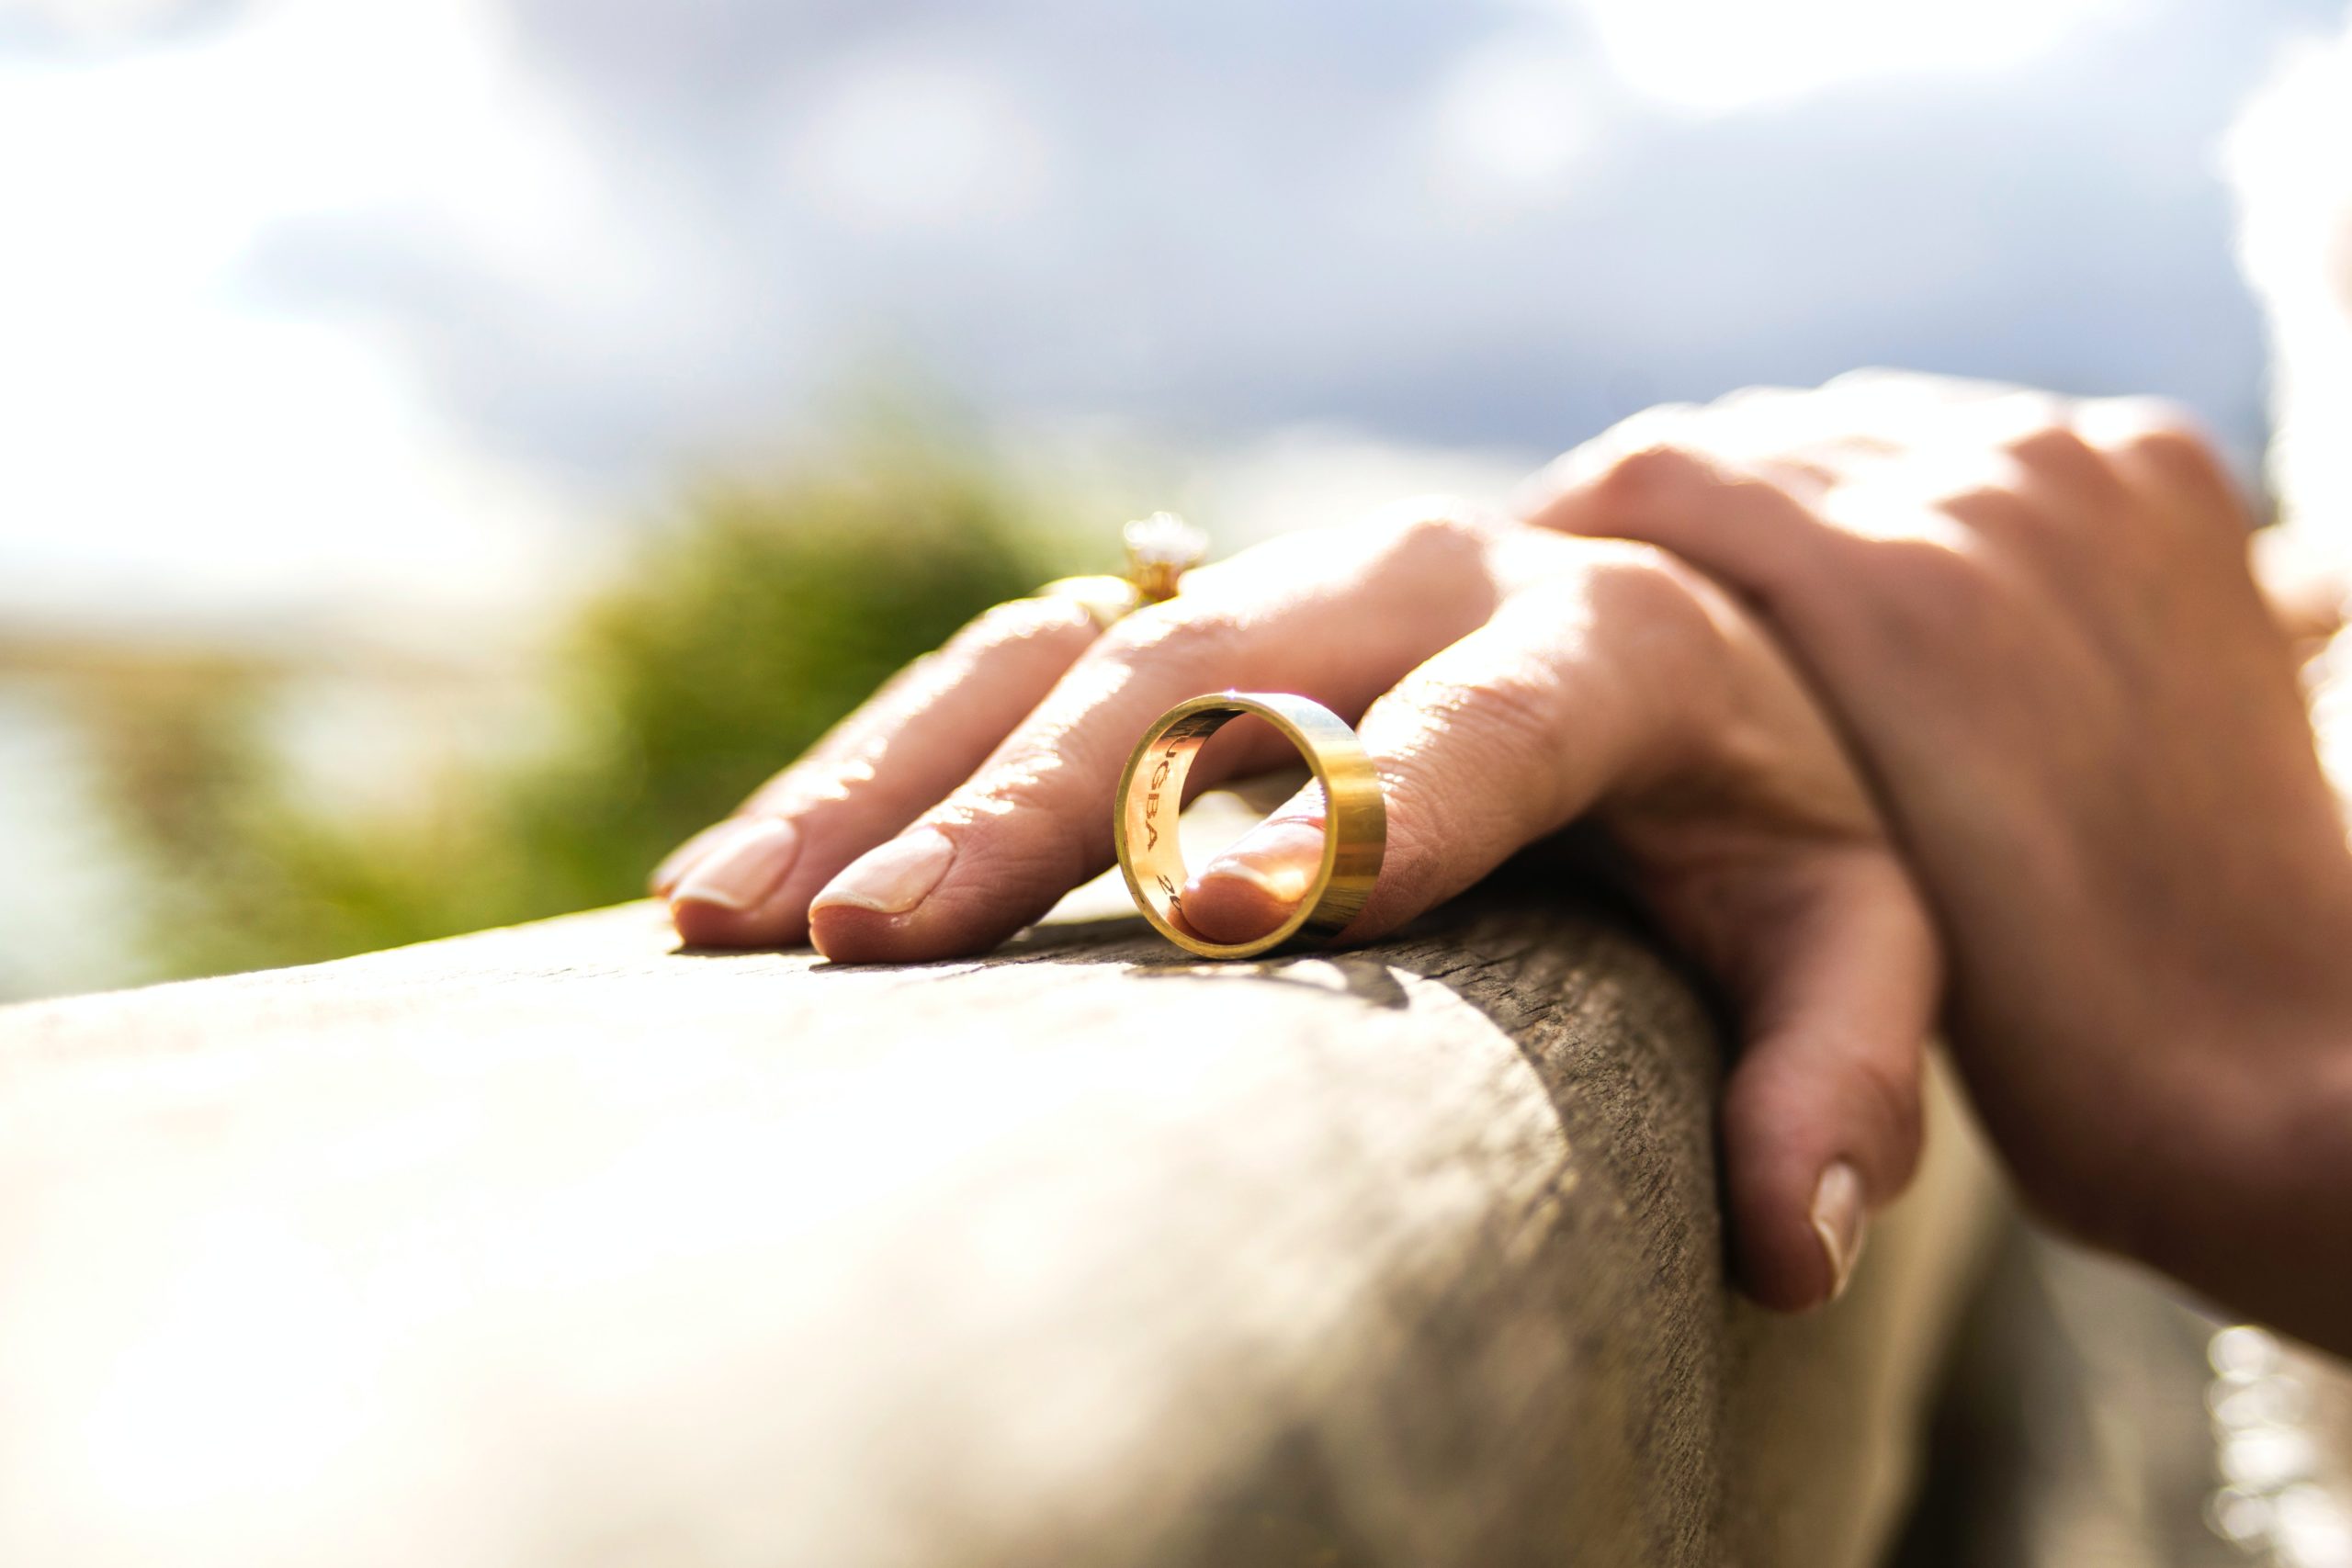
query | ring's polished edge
[1151, 792]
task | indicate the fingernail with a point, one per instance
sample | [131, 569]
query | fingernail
[1279, 858]
[742, 867]
[894, 877]
[1838, 1220]
[678, 862]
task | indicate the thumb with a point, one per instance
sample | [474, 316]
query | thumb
[1254, 883]
[1821, 1121]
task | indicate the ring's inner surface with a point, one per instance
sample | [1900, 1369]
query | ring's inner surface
[1155, 841]
[1153, 805]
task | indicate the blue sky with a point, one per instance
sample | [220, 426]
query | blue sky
[304, 299]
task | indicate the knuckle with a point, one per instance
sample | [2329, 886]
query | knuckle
[1017, 623]
[2173, 472]
[1921, 572]
[1652, 569]
[2127, 423]
[1654, 589]
[1443, 521]
[1470, 772]
[1508, 719]
[1664, 637]
[1439, 534]
[2156, 435]
[1194, 633]
[2022, 521]
[1639, 478]
[1021, 812]
[1927, 595]
[2178, 452]
[2179, 447]
[2053, 442]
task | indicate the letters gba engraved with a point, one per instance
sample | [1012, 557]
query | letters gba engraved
[1151, 803]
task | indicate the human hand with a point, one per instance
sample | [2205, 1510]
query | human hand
[2036, 621]
[1506, 681]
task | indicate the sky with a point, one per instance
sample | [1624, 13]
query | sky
[313, 303]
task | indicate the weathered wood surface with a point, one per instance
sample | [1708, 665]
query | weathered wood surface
[553, 1246]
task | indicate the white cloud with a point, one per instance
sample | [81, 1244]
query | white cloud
[907, 142]
[96, 21]
[170, 440]
[1511, 120]
[1716, 56]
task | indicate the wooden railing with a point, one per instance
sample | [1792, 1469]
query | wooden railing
[555, 1246]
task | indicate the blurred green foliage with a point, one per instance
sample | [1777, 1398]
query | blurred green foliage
[741, 629]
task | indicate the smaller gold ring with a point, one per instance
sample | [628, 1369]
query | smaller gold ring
[1151, 792]
[1160, 550]
[1108, 600]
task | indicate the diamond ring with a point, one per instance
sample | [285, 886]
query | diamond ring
[1160, 550]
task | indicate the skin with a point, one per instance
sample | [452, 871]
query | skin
[1508, 681]
[2031, 624]
[2036, 621]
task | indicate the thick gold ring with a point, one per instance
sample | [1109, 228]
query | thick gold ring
[1355, 821]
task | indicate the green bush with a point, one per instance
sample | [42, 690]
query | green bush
[744, 627]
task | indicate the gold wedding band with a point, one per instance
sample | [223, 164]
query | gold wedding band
[1355, 821]
[1160, 550]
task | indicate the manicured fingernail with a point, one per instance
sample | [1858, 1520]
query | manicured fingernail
[1279, 858]
[893, 878]
[743, 867]
[678, 862]
[1839, 1220]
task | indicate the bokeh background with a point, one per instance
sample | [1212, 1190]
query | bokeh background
[450, 448]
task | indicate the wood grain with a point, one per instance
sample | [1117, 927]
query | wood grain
[556, 1247]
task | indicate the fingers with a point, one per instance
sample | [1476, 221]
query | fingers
[1510, 733]
[2023, 517]
[1802, 437]
[674, 864]
[747, 882]
[1821, 1120]
[1719, 514]
[1338, 617]
[1743, 489]
[1252, 885]
[1631, 689]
